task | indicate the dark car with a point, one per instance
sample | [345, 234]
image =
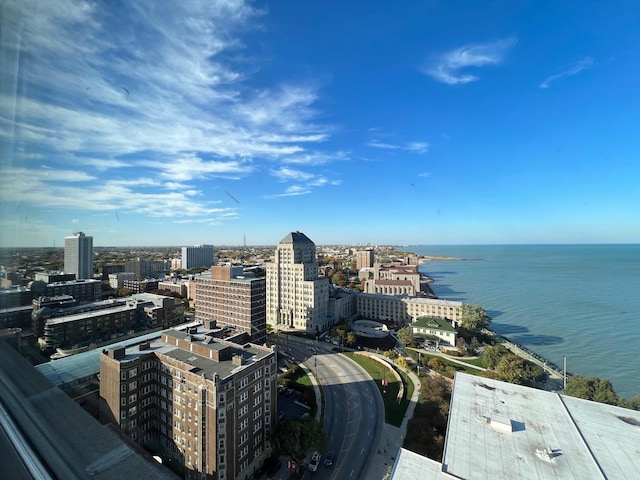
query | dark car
[330, 458]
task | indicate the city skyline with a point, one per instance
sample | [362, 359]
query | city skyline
[418, 124]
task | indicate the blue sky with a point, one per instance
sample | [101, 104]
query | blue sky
[176, 123]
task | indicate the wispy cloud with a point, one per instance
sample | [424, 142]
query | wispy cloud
[415, 147]
[160, 95]
[573, 69]
[446, 68]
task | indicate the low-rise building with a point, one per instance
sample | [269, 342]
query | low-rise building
[116, 280]
[401, 310]
[430, 328]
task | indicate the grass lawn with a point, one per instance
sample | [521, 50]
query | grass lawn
[300, 381]
[393, 412]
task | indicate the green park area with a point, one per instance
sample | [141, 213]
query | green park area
[393, 410]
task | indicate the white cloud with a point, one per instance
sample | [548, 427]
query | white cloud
[285, 174]
[446, 68]
[292, 191]
[415, 147]
[573, 69]
[424, 174]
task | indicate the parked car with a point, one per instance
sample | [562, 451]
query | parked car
[315, 461]
[329, 459]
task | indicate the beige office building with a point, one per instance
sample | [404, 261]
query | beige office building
[297, 298]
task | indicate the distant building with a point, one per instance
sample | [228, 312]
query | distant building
[78, 255]
[142, 268]
[230, 299]
[140, 286]
[111, 268]
[197, 256]
[176, 286]
[116, 280]
[364, 258]
[296, 297]
[208, 403]
[406, 309]
[52, 277]
[57, 327]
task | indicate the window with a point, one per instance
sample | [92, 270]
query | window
[244, 396]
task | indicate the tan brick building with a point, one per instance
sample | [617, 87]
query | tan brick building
[231, 299]
[206, 402]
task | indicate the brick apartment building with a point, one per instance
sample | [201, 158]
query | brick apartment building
[229, 298]
[196, 399]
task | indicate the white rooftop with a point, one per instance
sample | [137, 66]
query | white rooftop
[501, 430]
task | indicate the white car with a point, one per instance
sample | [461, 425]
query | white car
[315, 461]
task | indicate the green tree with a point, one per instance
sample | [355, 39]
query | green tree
[473, 317]
[392, 354]
[405, 335]
[512, 369]
[402, 362]
[493, 354]
[350, 339]
[593, 388]
[296, 436]
[340, 332]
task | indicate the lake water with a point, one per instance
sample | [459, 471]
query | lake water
[582, 301]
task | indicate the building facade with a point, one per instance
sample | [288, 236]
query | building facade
[364, 258]
[63, 327]
[296, 297]
[197, 256]
[403, 310]
[435, 328]
[78, 255]
[209, 403]
[227, 297]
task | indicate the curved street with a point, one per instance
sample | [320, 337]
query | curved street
[353, 409]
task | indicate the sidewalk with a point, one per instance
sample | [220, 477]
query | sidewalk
[392, 438]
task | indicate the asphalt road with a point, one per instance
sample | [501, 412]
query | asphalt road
[353, 410]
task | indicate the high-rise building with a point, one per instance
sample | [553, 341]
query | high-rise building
[197, 256]
[206, 402]
[364, 258]
[229, 298]
[296, 296]
[78, 255]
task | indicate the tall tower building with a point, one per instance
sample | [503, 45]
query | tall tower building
[364, 258]
[296, 296]
[229, 298]
[78, 255]
[197, 256]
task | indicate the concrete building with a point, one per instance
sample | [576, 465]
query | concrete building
[197, 256]
[142, 268]
[179, 287]
[296, 297]
[406, 309]
[102, 321]
[82, 290]
[111, 268]
[209, 403]
[229, 298]
[140, 286]
[78, 255]
[390, 287]
[502, 430]
[364, 258]
[53, 277]
[116, 280]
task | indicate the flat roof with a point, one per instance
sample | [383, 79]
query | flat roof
[411, 466]
[501, 430]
